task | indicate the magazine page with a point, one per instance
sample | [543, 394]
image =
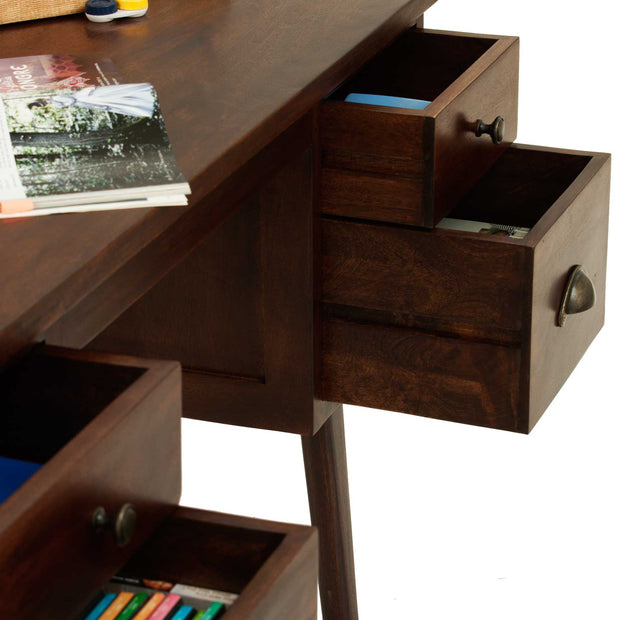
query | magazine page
[11, 187]
[74, 145]
[163, 200]
[55, 71]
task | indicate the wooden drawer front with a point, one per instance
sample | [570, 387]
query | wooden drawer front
[273, 566]
[107, 429]
[412, 166]
[406, 370]
[465, 299]
[438, 281]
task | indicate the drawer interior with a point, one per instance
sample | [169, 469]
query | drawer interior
[418, 65]
[521, 187]
[46, 400]
[270, 566]
[203, 554]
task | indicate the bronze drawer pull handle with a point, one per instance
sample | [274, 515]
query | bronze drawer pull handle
[122, 524]
[579, 294]
[495, 129]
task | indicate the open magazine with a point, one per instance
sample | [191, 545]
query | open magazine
[101, 146]
[53, 71]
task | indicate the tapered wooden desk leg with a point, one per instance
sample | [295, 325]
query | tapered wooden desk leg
[325, 461]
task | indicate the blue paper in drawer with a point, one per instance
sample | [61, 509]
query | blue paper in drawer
[13, 474]
[385, 100]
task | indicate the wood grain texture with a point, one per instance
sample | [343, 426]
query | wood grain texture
[487, 90]
[273, 63]
[261, 373]
[421, 373]
[273, 566]
[199, 57]
[372, 138]
[425, 160]
[328, 493]
[79, 325]
[578, 237]
[51, 560]
[59, 260]
[453, 282]
[372, 196]
[463, 326]
[562, 195]
[215, 322]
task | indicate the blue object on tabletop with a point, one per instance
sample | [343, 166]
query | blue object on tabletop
[13, 474]
[392, 102]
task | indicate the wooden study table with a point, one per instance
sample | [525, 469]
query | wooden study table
[237, 87]
[229, 285]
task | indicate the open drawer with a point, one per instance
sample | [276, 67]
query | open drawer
[412, 166]
[272, 566]
[106, 430]
[465, 326]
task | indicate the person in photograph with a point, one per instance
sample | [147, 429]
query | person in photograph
[128, 99]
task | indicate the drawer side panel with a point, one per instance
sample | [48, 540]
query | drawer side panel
[461, 158]
[579, 237]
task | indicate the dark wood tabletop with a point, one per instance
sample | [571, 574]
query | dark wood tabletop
[231, 76]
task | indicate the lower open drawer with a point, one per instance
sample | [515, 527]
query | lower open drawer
[102, 434]
[271, 566]
[466, 326]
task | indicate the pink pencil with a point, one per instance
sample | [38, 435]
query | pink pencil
[161, 613]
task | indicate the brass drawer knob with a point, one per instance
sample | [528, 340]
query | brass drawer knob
[494, 129]
[122, 524]
[579, 294]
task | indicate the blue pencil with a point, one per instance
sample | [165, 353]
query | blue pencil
[101, 606]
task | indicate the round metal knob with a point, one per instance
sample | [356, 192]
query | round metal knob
[579, 294]
[122, 524]
[494, 129]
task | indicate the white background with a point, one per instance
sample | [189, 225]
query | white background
[457, 522]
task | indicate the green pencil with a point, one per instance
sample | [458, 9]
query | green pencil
[136, 602]
[213, 612]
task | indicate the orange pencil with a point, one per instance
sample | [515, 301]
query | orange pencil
[151, 605]
[117, 605]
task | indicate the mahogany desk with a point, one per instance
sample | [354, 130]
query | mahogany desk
[228, 285]
[237, 87]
